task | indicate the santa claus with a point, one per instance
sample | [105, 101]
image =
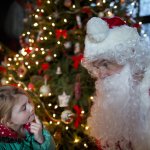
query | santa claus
[119, 58]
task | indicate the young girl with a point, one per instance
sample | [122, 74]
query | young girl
[17, 129]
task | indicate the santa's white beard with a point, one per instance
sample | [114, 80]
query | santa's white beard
[115, 113]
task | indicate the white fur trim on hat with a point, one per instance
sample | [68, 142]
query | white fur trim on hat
[100, 39]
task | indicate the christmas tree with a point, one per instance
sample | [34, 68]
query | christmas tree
[49, 65]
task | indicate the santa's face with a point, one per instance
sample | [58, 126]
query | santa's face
[104, 68]
[114, 102]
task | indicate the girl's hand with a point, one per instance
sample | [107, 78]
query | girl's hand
[36, 128]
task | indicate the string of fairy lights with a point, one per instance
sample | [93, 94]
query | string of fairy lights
[20, 57]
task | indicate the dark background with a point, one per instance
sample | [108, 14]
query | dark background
[4, 7]
[9, 41]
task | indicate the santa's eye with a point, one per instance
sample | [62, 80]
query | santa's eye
[105, 64]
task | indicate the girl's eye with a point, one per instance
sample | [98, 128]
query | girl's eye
[24, 108]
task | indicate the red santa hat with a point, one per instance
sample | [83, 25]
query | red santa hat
[105, 35]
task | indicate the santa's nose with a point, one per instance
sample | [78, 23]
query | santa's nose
[104, 73]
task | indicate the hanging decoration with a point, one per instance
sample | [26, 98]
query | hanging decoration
[45, 66]
[45, 89]
[77, 48]
[39, 3]
[31, 86]
[58, 71]
[39, 35]
[67, 116]
[87, 10]
[21, 71]
[67, 44]
[78, 116]
[63, 100]
[61, 33]
[3, 69]
[77, 59]
[58, 135]
[48, 58]
[3, 81]
[79, 23]
[68, 3]
[77, 88]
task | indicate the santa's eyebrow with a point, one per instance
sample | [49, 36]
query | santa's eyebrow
[104, 60]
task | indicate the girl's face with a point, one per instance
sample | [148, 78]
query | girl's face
[105, 68]
[23, 111]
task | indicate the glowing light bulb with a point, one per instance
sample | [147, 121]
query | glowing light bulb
[55, 55]
[44, 28]
[85, 145]
[10, 59]
[36, 16]
[29, 67]
[33, 55]
[87, 127]
[53, 24]
[58, 123]
[35, 24]
[49, 104]
[26, 63]
[38, 106]
[58, 42]
[43, 52]
[48, 2]
[36, 62]
[25, 88]
[65, 20]
[98, 4]
[20, 75]
[76, 140]
[91, 97]
[41, 38]
[17, 55]
[10, 78]
[55, 107]
[115, 7]
[82, 112]
[45, 38]
[49, 18]
[19, 84]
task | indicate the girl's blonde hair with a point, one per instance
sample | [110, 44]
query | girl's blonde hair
[8, 98]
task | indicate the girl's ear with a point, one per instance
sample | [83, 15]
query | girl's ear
[3, 120]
